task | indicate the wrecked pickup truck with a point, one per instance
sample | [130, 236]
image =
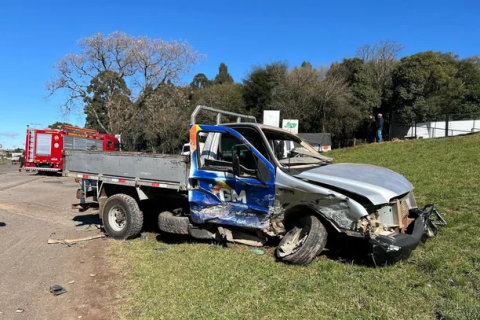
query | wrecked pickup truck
[246, 182]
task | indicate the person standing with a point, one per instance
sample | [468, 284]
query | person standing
[22, 163]
[371, 128]
[379, 127]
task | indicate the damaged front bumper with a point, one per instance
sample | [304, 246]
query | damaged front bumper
[390, 249]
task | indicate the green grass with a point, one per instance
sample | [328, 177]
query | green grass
[440, 281]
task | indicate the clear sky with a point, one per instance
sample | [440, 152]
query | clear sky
[34, 34]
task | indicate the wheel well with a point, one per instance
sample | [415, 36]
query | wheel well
[301, 209]
[112, 189]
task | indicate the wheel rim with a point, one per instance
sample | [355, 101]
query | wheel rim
[295, 238]
[117, 218]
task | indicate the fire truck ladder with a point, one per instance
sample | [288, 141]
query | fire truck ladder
[72, 129]
[31, 145]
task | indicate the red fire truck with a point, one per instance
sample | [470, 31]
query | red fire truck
[44, 147]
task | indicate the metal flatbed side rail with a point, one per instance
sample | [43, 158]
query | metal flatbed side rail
[128, 181]
[219, 113]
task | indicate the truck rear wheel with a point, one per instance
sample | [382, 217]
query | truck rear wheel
[122, 218]
[303, 242]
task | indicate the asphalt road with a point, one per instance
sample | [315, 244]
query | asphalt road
[33, 209]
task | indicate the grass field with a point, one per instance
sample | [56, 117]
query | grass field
[440, 281]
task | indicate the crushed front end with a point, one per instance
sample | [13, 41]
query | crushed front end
[395, 230]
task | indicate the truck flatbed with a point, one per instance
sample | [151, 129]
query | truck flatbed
[128, 168]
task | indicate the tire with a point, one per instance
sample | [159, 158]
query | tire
[305, 240]
[169, 223]
[122, 218]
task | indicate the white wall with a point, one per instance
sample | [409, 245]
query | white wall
[436, 129]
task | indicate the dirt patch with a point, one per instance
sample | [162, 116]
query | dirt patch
[95, 298]
[31, 212]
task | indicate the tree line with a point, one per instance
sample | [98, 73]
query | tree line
[132, 86]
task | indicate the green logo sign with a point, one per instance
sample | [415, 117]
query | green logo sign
[290, 125]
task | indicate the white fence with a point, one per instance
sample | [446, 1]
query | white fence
[436, 129]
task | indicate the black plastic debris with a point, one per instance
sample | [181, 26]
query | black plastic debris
[57, 290]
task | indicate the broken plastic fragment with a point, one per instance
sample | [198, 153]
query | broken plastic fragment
[57, 290]
[257, 251]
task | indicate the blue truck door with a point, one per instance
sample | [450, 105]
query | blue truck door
[216, 195]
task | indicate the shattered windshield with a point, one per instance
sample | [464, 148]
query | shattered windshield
[291, 150]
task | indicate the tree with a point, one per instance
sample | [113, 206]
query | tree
[226, 96]
[355, 72]
[58, 125]
[319, 105]
[258, 86]
[381, 58]
[223, 76]
[469, 76]
[108, 103]
[425, 86]
[306, 64]
[165, 118]
[200, 81]
[141, 62]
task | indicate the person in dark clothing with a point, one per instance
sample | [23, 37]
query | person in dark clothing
[22, 163]
[371, 128]
[379, 127]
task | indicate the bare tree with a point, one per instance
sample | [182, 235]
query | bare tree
[141, 62]
[381, 58]
[333, 92]
[313, 97]
[165, 118]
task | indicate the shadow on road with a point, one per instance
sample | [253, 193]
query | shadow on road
[87, 219]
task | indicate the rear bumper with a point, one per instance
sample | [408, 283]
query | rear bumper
[392, 249]
[42, 169]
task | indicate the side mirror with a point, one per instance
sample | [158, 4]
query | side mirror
[236, 164]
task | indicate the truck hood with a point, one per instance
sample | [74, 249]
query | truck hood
[377, 184]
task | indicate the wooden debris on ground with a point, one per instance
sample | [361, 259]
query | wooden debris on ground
[70, 241]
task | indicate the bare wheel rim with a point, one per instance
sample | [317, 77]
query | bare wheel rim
[117, 218]
[296, 238]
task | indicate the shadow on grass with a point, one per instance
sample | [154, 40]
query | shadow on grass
[348, 251]
[351, 251]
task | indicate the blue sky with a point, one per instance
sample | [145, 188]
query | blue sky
[34, 34]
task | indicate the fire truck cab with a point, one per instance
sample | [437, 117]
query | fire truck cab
[44, 147]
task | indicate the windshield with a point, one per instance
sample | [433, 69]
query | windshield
[290, 149]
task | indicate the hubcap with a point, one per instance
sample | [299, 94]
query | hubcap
[117, 218]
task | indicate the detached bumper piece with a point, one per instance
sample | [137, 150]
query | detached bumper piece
[392, 249]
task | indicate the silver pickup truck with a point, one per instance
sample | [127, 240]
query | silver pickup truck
[246, 182]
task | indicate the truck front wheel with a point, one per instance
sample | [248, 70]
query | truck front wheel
[304, 241]
[122, 218]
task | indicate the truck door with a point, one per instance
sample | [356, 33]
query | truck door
[217, 195]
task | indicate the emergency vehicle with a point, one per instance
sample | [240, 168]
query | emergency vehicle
[44, 147]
